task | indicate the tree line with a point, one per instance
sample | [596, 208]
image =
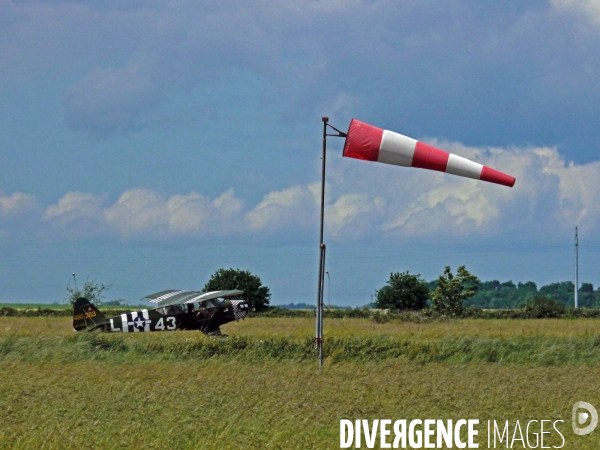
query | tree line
[406, 291]
[449, 294]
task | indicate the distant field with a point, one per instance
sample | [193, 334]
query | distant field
[261, 388]
[62, 309]
[34, 305]
[61, 306]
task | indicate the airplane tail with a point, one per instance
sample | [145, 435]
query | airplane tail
[86, 316]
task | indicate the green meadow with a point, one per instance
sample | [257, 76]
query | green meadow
[261, 387]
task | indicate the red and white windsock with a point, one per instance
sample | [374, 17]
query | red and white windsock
[370, 143]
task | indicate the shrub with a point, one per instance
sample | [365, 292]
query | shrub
[379, 317]
[90, 290]
[542, 307]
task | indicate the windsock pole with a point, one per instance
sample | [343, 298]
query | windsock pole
[576, 268]
[319, 325]
[319, 331]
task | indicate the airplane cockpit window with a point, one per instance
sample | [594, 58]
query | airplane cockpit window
[174, 309]
[207, 304]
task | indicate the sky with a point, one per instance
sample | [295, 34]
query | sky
[146, 144]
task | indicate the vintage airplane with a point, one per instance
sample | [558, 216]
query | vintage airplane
[175, 310]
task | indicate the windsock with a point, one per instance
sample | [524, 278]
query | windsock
[370, 143]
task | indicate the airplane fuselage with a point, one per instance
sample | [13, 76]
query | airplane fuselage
[163, 318]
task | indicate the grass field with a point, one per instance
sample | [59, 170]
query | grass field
[261, 388]
[35, 305]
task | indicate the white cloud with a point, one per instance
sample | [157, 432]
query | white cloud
[353, 215]
[588, 8]
[578, 187]
[365, 200]
[371, 199]
[144, 214]
[15, 204]
[140, 212]
[549, 197]
[19, 215]
[75, 205]
[295, 207]
[227, 205]
[76, 215]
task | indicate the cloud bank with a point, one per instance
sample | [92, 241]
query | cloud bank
[513, 64]
[364, 200]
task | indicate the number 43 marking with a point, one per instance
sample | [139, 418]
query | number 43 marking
[160, 325]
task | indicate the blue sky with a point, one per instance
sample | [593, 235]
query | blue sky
[147, 144]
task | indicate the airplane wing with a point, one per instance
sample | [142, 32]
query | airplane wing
[176, 297]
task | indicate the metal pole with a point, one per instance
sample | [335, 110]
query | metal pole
[576, 268]
[319, 331]
[328, 288]
[322, 276]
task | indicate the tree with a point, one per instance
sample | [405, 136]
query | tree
[257, 295]
[90, 290]
[562, 291]
[452, 290]
[403, 291]
[508, 285]
[586, 295]
[530, 287]
[493, 294]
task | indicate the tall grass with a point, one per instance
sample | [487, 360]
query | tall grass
[260, 388]
[234, 404]
[583, 349]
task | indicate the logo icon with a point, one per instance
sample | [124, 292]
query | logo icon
[580, 418]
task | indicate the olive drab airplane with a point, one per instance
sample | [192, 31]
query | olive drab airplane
[174, 310]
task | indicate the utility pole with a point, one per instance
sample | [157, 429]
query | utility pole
[576, 268]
